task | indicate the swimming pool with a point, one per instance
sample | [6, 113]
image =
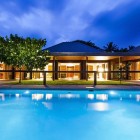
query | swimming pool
[69, 114]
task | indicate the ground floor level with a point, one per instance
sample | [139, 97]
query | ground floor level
[80, 69]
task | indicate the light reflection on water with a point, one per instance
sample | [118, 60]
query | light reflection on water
[2, 97]
[48, 105]
[70, 96]
[90, 96]
[138, 97]
[37, 96]
[68, 115]
[98, 106]
[49, 96]
[92, 101]
[102, 97]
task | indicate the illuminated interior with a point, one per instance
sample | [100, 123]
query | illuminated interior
[49, 67]
[40, 75]
[100, 67]
[136, 66]
[69, 67]
[1, 73]
[67, 64]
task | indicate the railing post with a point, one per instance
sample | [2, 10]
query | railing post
[13, 73]
[44, 78]
[95, 78]
[31, 74]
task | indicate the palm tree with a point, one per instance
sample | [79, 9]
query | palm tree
[131, 47]
[111, 47]
[123, 50]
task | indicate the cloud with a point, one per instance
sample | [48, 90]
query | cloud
[99, 21]
[120, 25]
[36, 20]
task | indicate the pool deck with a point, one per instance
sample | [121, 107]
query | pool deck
[3, 86]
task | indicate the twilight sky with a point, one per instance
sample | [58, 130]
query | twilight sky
[99, 21]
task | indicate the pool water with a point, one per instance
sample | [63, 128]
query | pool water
[69, 114]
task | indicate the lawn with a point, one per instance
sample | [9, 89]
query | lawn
[67, 82]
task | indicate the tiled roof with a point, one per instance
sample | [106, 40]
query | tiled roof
[75, 47]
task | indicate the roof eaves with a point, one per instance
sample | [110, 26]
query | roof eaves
[94, 54]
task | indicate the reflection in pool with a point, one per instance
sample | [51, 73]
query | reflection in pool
[69, 114]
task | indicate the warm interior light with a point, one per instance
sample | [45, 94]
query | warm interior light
[70, 79]
[70, 64]
[100, 69]
[106, 69]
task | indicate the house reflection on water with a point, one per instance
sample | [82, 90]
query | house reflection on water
[2, 96]
[87, 97]
[90, 101]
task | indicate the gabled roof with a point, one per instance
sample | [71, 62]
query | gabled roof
[72, 48]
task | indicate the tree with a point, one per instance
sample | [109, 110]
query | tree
[22, 52]
[131, 47]
[2, 49]
[125, 68]
[36, 58]
[111, 47]
[15, 52]
[123, 50]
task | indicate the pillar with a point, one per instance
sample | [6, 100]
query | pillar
[55, 69]
[83, 69]
[109, 69]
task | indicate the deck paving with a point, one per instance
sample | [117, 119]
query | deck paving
[135, 85]
[70, 86]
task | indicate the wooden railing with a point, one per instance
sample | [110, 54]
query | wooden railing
[80, 72]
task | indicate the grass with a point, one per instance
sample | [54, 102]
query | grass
[67, 82]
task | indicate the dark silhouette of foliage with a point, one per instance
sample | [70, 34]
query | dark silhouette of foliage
[89, 43]
[123, 50]
[131, 47]
[111, 47]
[125, 68]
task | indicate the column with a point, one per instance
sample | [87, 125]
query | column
[109, 69]
[83, 69]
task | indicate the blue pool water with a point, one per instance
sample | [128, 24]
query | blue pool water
[69, 114]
